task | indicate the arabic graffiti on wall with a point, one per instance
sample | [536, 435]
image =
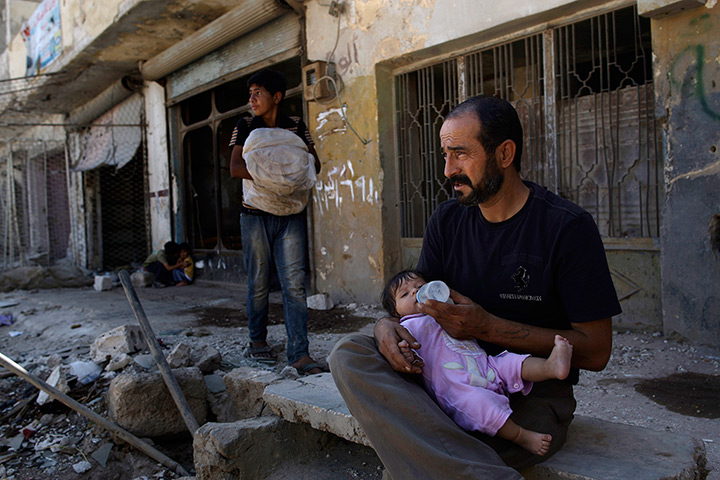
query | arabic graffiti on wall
[341, 185]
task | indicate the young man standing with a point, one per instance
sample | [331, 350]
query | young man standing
[267, 237]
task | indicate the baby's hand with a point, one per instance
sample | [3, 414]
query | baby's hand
[409, 354]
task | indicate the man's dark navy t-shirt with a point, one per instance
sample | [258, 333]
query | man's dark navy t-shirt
[545, 266]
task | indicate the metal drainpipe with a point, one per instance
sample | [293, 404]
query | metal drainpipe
[237, 22]
[111, 96]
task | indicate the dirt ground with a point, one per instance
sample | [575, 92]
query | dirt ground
[651, 381]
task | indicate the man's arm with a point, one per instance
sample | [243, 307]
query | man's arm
[388, 334]
[591, 341]
[238, 167]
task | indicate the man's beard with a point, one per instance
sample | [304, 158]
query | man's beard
[488, 186]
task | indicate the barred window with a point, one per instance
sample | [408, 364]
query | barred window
[584, 95]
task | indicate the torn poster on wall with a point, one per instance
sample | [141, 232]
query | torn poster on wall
[42, 34]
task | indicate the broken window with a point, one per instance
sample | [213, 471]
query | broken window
[589, 82]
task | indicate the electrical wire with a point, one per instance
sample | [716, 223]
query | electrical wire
[343, 106]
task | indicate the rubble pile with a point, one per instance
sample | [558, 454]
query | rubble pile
[116, 377]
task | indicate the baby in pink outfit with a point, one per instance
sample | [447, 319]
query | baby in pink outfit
[469, 385]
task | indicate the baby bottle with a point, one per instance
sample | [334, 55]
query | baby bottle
[435, 290]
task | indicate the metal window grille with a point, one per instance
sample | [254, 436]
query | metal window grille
[424, 98]
[34, 211]
[584, 96]
[608, 142]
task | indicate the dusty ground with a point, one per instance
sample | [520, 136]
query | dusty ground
[650, 381]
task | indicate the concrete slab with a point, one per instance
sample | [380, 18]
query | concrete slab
[314, 400]
[601, 450]
[595, 449]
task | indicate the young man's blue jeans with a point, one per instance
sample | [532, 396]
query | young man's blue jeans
[268, 238]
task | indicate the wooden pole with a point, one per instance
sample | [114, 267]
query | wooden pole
[152, 342]
[82, 409]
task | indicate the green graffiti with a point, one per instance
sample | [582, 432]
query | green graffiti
[697, 85]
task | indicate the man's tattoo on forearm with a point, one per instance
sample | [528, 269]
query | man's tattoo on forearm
[517, 333]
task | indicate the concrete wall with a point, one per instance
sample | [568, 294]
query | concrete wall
[686, 47]
[158, 165]
[356, 238]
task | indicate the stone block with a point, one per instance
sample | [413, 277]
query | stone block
[142, 279]
[321, 301]
[595, 449]
[600, 450]
[315, 400]
[141, 403]
[123, 339]
[245, 388]
[250, 448]
[102, 283]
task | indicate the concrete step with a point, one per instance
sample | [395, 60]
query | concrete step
[595, 449]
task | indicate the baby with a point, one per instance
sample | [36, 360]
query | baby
[470, 386]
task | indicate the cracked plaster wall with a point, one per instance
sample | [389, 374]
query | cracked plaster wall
[686, 59]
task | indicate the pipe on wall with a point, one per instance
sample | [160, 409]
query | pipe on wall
[237, 22]
[111, 96]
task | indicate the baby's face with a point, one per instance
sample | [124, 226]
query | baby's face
[405, 300]
[184, 254]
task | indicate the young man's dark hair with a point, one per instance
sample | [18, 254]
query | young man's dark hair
[270, 80]
[498, 122]
[388, 294]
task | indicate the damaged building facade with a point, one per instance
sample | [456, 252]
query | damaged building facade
[116, 123]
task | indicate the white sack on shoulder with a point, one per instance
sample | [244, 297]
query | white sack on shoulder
[283, 171]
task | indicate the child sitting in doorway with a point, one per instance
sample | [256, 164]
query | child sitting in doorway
[184, 276]
[469, 385]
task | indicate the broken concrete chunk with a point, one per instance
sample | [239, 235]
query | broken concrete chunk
[207, 359]
[142, 404]
[145, 361]
[321, 301]
[102, 283]
[123, 339]
[118, 362]
[57, 379]
[180, 356]
[245, 387]
[141, 279]
[215, 383]
[246, 448]
[82, 467]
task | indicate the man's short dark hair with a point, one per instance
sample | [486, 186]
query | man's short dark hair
[498, 122]
[171, 248]
[271, 80]
[388, 294]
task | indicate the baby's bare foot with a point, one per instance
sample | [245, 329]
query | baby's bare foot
[534, 442]
[558, 363]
